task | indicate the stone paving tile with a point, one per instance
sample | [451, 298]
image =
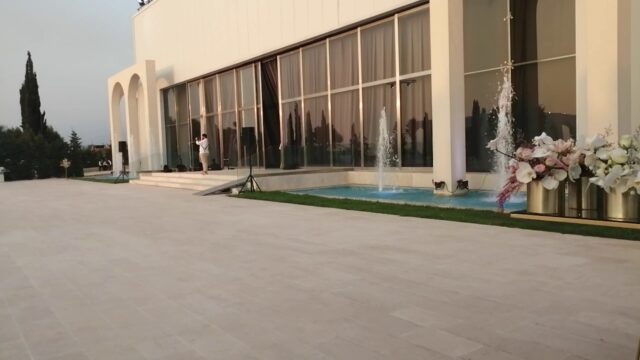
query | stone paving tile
[92, 279]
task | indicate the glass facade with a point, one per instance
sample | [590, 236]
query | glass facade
[537, 49]
[319, 105]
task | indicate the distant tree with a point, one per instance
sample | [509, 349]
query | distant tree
[75, 155]
[32, 118]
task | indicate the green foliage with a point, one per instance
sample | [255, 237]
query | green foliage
[32, 118]
[461, 215]
[29, 156]
[75, 155]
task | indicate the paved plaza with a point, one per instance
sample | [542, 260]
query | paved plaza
[119, 272]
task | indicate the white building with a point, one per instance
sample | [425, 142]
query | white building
[311, 77]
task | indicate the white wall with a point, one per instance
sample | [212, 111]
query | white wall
[188, 38]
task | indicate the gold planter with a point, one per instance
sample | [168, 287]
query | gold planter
[545, 202]
[623, 206]
[583, 199]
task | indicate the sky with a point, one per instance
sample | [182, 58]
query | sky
[75, 46]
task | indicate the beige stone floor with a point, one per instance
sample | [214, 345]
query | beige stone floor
[98, 271]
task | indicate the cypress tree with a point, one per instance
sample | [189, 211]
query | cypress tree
[32, 118]
[75, 155]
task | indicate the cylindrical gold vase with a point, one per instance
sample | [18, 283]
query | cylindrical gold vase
[541, 201]
[583, 198]
[623, 206]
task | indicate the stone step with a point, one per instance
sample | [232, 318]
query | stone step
[184, 186]
[180, 180]
[193, 175]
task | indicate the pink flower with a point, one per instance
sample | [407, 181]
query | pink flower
[540, 168]
[524, 153]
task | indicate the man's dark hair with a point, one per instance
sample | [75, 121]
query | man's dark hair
[204, 136]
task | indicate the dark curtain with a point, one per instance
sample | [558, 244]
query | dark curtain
[271, 113]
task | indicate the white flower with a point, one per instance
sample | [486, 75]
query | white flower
[525, 173]
[574, 171]
[543, 139]
[612, 178]
[540, 152]
[493, 145]
[603, 154]
[596, 141]
[590, 159]
[625, 141]
[619, 156]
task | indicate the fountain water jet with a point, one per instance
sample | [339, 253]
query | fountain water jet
[504, 130]
[384, 153]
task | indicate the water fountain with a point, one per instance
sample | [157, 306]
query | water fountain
[504, 130]
[384, 153]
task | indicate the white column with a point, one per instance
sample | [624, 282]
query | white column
[606, 66]
[447, 67]
[154, 120]
[635, 64]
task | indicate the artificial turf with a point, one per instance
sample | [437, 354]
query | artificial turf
[429, 212]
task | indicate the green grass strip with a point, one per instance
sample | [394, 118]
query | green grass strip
[430, 212]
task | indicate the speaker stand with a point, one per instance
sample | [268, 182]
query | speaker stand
[123, 173]
[251, 180]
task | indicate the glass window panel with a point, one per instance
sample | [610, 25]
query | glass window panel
[227, 88]
[182, 104]
[374, 99]
[314, 69]
[270, 113]
[417, 122]
[184, 145]
[545, 99]
[415, 51]
[542, 29]
[213, 135]
[171, 136]
[343, 59]
[290, 75]
[248, 82]
[211, 95]
[378, 55]
[194, 101]
[480, 118]
[317, 131]
[345, 120]
[292, 142]
[485, 34]
[169, 105]
[230, 139]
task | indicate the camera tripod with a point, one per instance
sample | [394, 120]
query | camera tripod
[123, 172]
[251, 180]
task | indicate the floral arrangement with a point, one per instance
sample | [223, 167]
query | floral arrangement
[550, 161]
[614, 166]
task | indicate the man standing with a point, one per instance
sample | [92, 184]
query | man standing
[204, 153]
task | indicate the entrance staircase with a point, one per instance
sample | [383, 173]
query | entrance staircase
[193, 181]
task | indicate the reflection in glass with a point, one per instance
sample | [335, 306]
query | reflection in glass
[290, 75]
[542, 29]
[415, 52]
[345, 120]
[213, 134]
[171, 136]
[248, 90]
[211, 95]
[417, 125]
[373, 100]
[227, 88]
[378, 54]
[545, 99]
[292, 129]
[481, 118]
[230, 139]
[317, 131]
[184, 133]
[485, 34]
[343, 59]
[314, 69]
